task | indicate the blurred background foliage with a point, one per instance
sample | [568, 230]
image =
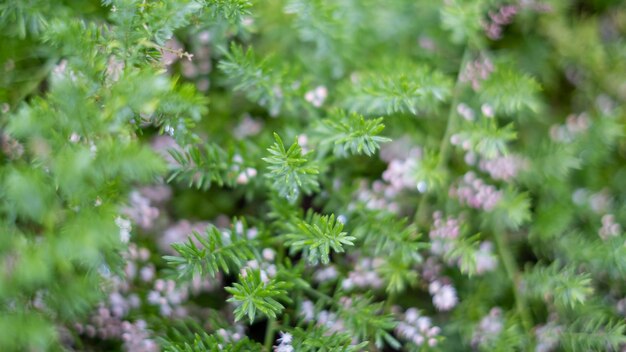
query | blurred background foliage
[94, 93]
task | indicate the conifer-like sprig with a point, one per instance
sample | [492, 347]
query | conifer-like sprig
[255, 295]
[383, 234]
[231, 10]
[317, 338]
[563, 286]
[212, 252]
[464, 251]
[203, 165]
[486, 138]
[510, 92]
[368, 322]
[415, 91]
[316, 236]
[290, 172]
[593, 334]
[262, 80]
[351, 134]
[212, 343]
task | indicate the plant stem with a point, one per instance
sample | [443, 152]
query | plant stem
[391, 298]
[269, 334]
[444, 144]
[513, 273]
[316, 294]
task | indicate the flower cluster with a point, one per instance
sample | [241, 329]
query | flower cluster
[233, 334]
[168, 297]
[316, 96]
[140, 208]
[476, 71]
[284, 343]
[474, 192]
[575, 125]
[444, 294]
[417, 328]
[266, 269]
[111, 321]
[504, 167]
[247, 127]
[548, 336]
[498, 19]
[364, 275]
[326, 274]
[402, 162]
[325, 318]
[444, 234]
[609, 227]
[599, 202]
[486, 260]
[489, 327]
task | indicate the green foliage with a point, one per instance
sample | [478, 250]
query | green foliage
[464, 250]
[201, 166]
[486, 139]
[320, 339]
[290, 171]
[428, 174]
[212, 343]
[398, 273]
[350, 134]
[512, 211]
[561, 285]
[510, 339]
[252, 294]
[214, 252]
[556, 160]
[94, 94]
[262, 83]
[232, 10]
[316, 236]
[385, 234]
[510, 92]
[593, 335]
[365, 320]
[462, 18]
[413, 90]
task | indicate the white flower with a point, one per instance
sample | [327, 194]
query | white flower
[283, 348]
[317, 96]
[485, 259]
[125, 227]
[445, 298]
[269, 254]
[307, 311]
[285, 338]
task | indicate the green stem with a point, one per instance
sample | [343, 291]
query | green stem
[316, 294]
[445, 145]
[269, 334]
[513, 273]
[391, 298]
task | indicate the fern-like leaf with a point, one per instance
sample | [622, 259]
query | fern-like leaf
[289, 170]
[317, 237]
[254, 295]
[562, 285]
[351, 134]
[418, 90]
[212, 252]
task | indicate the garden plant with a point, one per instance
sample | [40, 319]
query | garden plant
[312, 175]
